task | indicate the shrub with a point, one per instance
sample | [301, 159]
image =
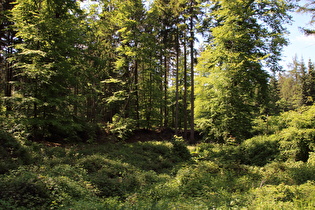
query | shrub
[22, 188]
[290, 173]
[259, 150]
[301, 172]
[283, 197]
[179, 149]
[221, 153]
[265, 125]
[12, 153]
[121, 127]
[112, 178]
[296, 143]
[93, 163]
[152, 155]
[44, 187]
[96, 204]
[303, 118]
[168, 189]
[215, 185]
[275, 173]
[66, 170]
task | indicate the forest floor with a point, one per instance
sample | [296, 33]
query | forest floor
[143, 135]
[163, 134]
[156, 170]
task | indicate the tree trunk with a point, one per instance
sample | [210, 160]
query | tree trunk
[137, 93]
[185, 90]
[177, 83]
[165, 91]
[192, 97]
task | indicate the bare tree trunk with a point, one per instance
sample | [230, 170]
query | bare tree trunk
[137, 93]
[8, 72]
[161, 89]
[185, 90]
[177, 83]
[192, 97]
[165, 91]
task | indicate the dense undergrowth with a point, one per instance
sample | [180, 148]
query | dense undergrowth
[273, 170]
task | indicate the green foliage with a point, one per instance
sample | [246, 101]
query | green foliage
[256, 151]
[179, 149]
[47, 65]
[267, 125]
[44, 187]
[296, 87]
[296, 144]
[22, 188]
[283, 197]
[232, 83]
[259, 150]
[121, 127]
[116, 64]
[12, 153]
[261, 172]
[112, 178]
[293, 130]
[121, 176]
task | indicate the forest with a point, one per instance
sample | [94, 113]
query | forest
[156, 104]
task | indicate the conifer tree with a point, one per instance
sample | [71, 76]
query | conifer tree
[310, 83]
[297, 85]
[7, 39]
[232, 83]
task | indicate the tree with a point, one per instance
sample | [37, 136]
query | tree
[290, 85]
[310, 83]
[296, 86]
[232, 83]
[48, 63]
[192, 59]
[7, 39]
[308, 8]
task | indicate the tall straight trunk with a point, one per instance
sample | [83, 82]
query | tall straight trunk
[161, 89]
[75, 105]
[165, 91]
[185, 90]
[137, 93]
[6, 41]
[192, 97]
[9, 76]
[150, 98]
[177, 83]
[8, 73]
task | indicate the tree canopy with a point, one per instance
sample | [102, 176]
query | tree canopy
[125, 65]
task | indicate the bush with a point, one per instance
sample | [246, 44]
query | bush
[180, 150]
[22, 188]
[296, 144]
[283, 197]
[259, 150]
[44, 187]
[266, 125]
[224, 154]
[290, 173]
[303, 118]
[301, 172]
[215, 185]
[121, 127]
[12, 153]
[112, 178]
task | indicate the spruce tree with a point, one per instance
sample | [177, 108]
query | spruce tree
[232, 83]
